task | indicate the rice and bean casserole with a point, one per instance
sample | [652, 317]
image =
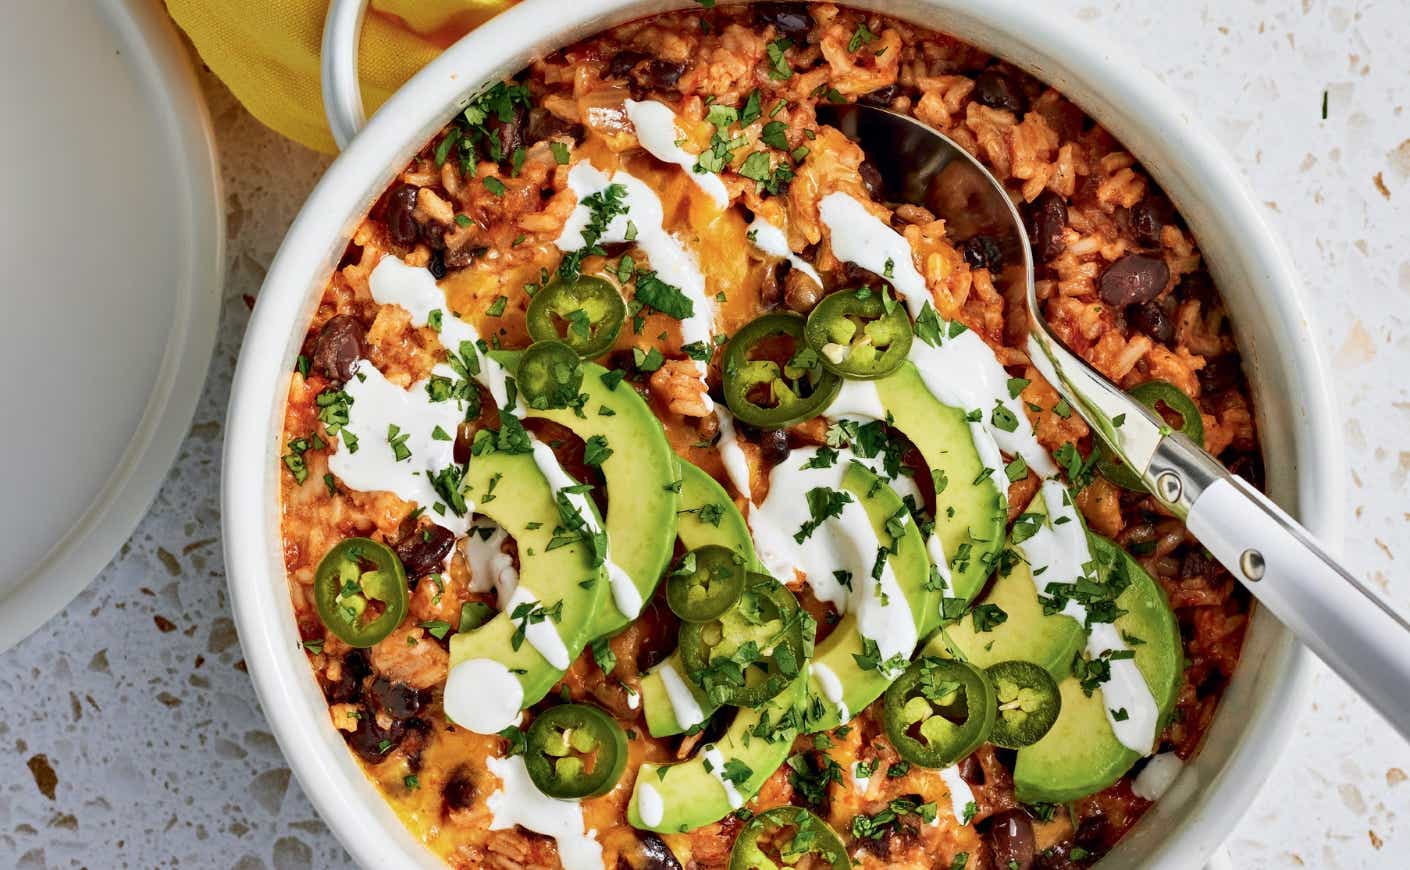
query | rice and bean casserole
[656, 496]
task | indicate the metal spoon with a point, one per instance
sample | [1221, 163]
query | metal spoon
[1278, 560]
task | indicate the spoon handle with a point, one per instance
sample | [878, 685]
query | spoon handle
[1330, 611]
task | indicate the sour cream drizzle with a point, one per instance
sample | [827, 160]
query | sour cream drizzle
[858, 236]
[683, 703]
[962, 372]
[490, 567]
[393, 282]
[519, 802]
[378, 404]
[483, 696]
[858, 400]
[832, 689]
[715, 765]
[732, 455]
[1060, 550]
[960, 793]
[771, 240]
[847, 542]
[624, 592]
[649, 804]
[655, 125]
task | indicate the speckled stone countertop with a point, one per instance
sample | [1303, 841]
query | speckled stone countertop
[131, 732]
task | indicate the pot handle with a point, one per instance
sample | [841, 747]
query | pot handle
[342, 95]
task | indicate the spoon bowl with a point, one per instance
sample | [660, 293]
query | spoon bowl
[1282, 565]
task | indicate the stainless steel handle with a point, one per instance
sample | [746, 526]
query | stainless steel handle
[1346, 624]
[342, 95]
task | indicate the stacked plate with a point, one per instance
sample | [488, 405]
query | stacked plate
[112, 245]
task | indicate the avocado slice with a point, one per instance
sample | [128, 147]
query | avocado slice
[510, 489]
[1029, 634]
[970, 510]
[706, 515]
[1081, 754]
[641, 478]
[839, 685]
[720, 777]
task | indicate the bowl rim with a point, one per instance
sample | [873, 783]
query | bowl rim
[350, 804]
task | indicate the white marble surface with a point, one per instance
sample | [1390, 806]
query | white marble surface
[135, 697]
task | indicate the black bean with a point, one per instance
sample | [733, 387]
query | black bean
[773, 446]
[419, 733]
[1092, 832]
[982, 252]
[1010, 838]
[998, 91]
[401, 223]
[463, 256]
[459, 790]
[871, 179]
[663, 74]
[1196, 564]
[1198, 285]
[881, 97]
[510, 132]
[338, 347]
[464, 440]
[372, 741]
[436, 265]
[1219, 374]
[398, 700]
[348, 686]
[1047, 221]
[1248, 465]
[1149, 217]
[1133, 279]
[424, 551]
[971, 771]
[656, 855]
[623, 62]
[1151, 319]
[543, 124]
[790, 19]
[800, 292]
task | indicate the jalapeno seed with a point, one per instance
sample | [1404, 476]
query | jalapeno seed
[1028, 703]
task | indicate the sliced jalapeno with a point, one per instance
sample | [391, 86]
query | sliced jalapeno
[1152, 394]
[1028, 703]
[782, 837]
[574, 751]
[938, 711]
[585, 313]
[772, 378]
[860, 333]
[360, 591]
[706, 583]
[753, 650]
[549, 375]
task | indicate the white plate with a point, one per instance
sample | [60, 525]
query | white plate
[112, 244]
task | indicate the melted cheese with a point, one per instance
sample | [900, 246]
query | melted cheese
[655, 125]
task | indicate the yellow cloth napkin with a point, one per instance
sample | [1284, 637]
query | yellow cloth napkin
[266, 51]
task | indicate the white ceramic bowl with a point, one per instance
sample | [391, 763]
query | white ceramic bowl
[1260, 289]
